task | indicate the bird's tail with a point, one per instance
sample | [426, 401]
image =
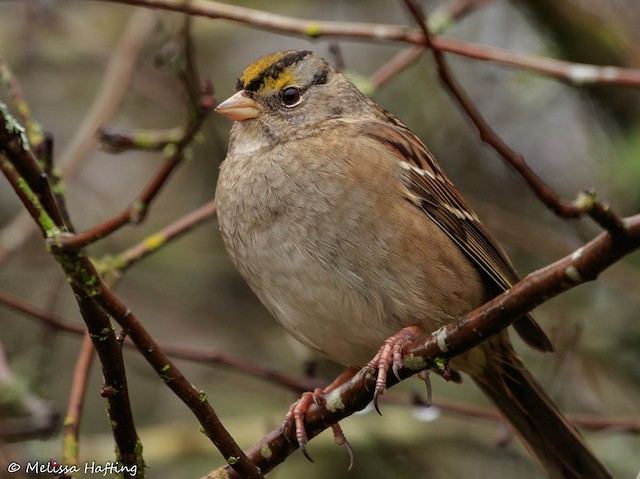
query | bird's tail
[559, 447]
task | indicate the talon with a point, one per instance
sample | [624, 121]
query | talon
[376, 395]
[303, 448]
[295, 416]
[396, 369]
[352, 455]
[341, 440]
[391, 354]
[424, 375]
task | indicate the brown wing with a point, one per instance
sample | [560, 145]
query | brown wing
[433, 192]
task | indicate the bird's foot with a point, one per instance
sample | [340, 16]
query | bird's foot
[391, 354]
[297, 411]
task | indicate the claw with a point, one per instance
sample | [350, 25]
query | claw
[341, 440]
[376, 395]
[303, 448]
[295, 416]
[424, 375]
[391, 353]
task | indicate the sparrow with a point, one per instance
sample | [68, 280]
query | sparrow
[347, 229]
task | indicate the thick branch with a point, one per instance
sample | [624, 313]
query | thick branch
[584, 264]
[128, 446]
[96, 302]
[111, 91]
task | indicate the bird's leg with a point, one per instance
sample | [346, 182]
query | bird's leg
[296, 413]
[391, 353]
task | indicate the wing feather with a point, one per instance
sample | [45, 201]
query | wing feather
[431, 191]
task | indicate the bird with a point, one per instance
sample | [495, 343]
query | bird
[348, 230]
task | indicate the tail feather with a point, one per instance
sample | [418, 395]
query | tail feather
[558, 446]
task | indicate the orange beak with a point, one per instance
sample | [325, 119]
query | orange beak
[239, 107]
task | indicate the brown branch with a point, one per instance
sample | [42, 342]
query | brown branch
[71, 426]
[96, 303]
[138, 210]
[583, 265]
[123, 261]
[574, 73]
[113, 87]
[213, 356]
[204, 356]
[128, 446]
[549, 197]
[48, 319]
[173, 378]
[202, 103]
[585, 203]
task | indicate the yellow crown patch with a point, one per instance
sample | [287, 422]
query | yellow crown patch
[271, 71]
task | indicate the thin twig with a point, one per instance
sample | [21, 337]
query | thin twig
[34, 130]
[138, 210]
[156, 241]
[586, 202]
[71, 427]
[112, 90]
[210, 355]
[574, 73]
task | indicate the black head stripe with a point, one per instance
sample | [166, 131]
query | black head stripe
[273, 70]
[320, 78]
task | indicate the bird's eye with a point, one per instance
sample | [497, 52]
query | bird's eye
[291, 96]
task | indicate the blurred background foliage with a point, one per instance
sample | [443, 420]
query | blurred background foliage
[190, 294]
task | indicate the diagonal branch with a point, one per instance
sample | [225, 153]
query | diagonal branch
[139, 208]
[123, 261]
[113, 87]
[585, 203]
[584, 264]
[97, 302]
